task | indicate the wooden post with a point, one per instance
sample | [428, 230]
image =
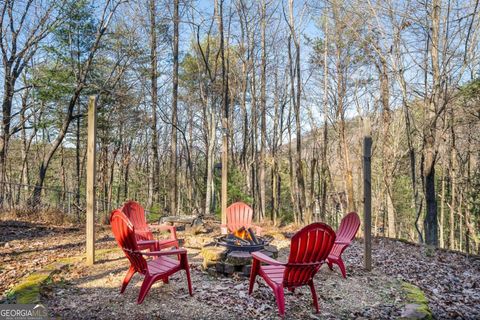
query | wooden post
[224, 172]
[367, 200]
[91, 178]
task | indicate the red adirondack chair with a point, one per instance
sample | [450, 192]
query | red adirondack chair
[345, 234]
[145, 240]
[308, 250]
[159, 268]
[239, 215]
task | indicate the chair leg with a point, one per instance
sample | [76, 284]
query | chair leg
[330, 265]
[128, 277]
[342, 267]
[253, 275]
[146, 285]
[314, 295]
[280, 297]
[189, 281]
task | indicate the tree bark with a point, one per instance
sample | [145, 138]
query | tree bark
[155, 168]
[263, 122]
[173, 159]
[429, 154]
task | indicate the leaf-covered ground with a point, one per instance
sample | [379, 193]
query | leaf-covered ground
[450, 280]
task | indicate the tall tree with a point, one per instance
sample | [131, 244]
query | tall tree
[225, 110]
[432, 109]
[296, 89]
[81, 82]
[155, 168]
[23, 25]
[173, 159]
[263, 107]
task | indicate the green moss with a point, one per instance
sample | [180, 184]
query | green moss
[414, 295]
[104, 253]
[28, 291]
[29, 288]
[69, 260]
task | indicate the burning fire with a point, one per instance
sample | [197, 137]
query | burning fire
[243, 237]
[243, 234]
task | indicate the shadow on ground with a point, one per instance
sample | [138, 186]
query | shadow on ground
[20, 230]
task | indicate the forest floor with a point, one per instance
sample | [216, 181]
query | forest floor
[450, 280]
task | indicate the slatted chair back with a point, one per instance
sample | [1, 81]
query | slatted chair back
[124, 233]
[345, 234]
[348, 227]
[308, 250]
[136, 214]
[239, 215]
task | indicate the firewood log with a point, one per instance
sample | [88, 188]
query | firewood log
[253, 236]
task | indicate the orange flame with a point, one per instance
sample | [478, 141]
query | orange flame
[242, 233]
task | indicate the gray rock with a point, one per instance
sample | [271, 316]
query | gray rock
[413, 311]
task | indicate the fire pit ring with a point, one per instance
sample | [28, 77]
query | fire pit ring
[264, 241]
[222, 256]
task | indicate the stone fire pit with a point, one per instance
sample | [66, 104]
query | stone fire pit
[219, 259]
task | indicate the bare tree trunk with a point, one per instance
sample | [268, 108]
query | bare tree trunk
[254, 135]
[9, 85]
[263, 123]
[78, 172]
[112, 174]
[210, 156]
[191, 184]
[468, 210]
[386, 143]
[26, 142]
[453, 182]
[341, 69]
[225, 111]
[245, 51]
[303, 209]
[460, 215]
[325, 124]
[429, 155]
[173, 159]
[155, 168]
[311, 200]
[442, 212]
[126, 172]
[291, 171]
[63, 173]
[277, 141]
[417, 201]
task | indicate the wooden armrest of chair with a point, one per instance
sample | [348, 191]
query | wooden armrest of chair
[165, 253]
[158, 244]
[266, 259]
[146, 242]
